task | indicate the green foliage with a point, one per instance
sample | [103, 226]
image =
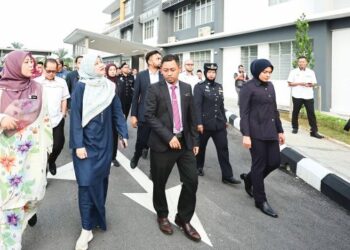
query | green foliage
[17, 45]
[303, 43]
[61, 52]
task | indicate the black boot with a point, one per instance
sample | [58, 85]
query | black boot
[247, 185]
[134, 161]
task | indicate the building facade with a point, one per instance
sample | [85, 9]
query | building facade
[237, 32]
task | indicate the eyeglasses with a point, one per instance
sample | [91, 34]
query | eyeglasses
[51, 71]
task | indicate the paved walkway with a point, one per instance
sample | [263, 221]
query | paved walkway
[329, 153]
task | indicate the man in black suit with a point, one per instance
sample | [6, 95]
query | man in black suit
[73, 77]
[169, 112]
[143, 80]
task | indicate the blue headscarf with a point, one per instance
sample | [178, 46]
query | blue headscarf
[258, 65]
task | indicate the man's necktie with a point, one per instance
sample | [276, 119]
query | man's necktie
[176, 113]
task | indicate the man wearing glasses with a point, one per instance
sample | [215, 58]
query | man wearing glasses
[188, 76]
[57, 89]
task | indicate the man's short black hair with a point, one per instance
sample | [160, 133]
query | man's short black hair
[302, 57]
[199, 70]
[171, 57]
[240, 66]
[51, 60]
[151, 53]
[40, 62]
[77, 58]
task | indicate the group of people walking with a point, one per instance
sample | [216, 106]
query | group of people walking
[174, 123]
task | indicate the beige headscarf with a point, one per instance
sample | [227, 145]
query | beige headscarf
[99, 91]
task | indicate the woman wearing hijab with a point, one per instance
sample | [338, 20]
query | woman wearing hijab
[262, 131]
[25, 141]
[111, 74]
[95, 108]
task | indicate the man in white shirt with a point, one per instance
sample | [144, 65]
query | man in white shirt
[57, 90]
[302, 80]
[188, 76]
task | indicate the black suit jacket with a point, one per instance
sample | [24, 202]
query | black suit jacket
[159, 116]
[140, 89]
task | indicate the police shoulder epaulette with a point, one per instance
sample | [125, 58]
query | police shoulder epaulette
[201, 82]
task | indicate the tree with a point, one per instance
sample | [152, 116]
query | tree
[303, 43]
[17, 45]
[61, 52]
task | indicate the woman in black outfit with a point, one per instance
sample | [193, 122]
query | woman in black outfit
[262, 131]
[111, 74]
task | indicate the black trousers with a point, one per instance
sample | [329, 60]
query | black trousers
[126, 105]
[265, 158]
[161, 167]
[310, 111]
[143, 132]
[221, 144]
[58, 142]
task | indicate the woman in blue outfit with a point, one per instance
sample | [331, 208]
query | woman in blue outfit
[95, 108]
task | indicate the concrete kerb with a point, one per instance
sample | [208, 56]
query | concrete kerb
[310, 171]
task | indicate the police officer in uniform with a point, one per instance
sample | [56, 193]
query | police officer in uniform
[211, 122]
[125, 88]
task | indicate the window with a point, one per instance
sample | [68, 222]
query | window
[204, 11]
[199, 58]
[274, 2]
[127, 34]
[248, 54]
[182, 18]
[127, 6]
[148, 30]
[281, 56]
[180, 59]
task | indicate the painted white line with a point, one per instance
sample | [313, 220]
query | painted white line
[145, 199]
[65, 172]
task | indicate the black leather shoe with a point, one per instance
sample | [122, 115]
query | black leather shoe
[32, 221]
[316, 135]
[144, 153]
[200, 171]
[266, 209]
[247, 185]
[188, 229]
[230, 180]
[52, 168]
[133, 162]
[116, 163]
[295, 131]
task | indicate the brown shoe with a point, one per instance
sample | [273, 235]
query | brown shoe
[187, 228]
[164, 225]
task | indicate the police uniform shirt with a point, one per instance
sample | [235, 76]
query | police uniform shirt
[308, 76]
[209, 105]
[128, 82]
[258, 111]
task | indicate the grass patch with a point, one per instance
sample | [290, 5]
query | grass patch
[329, 126]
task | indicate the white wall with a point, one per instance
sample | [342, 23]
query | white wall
[231, 60]
[240, 16]
[340, 67]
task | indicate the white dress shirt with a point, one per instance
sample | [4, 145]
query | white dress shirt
[57, 91]
[307, 76]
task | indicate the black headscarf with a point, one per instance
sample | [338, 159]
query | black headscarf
[257, 66]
